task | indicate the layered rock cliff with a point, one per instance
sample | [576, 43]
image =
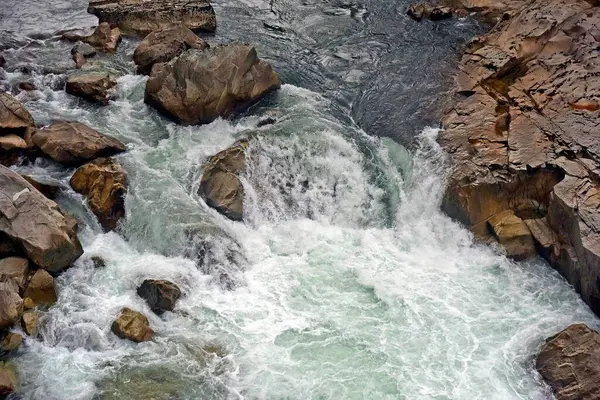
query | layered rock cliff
[525, 140]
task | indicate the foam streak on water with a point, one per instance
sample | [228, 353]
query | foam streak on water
[348, 282]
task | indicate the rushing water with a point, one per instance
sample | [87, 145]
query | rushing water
[344, 282]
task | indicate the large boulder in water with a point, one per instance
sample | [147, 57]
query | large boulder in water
[132, 325]
[142, 17]
[570, 363]
[73, 143]
[199, 86]
[104, 183]
[93, 86]
[14, 117]
[164, 44]
[220, 187]
[160, 295]
[47, 234]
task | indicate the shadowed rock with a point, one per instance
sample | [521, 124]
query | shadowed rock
[199, 86]
[41, 289]
[104, 183]
[73, 143]
[160, 295]
[93, 86]
[30, 322]
[132, 325]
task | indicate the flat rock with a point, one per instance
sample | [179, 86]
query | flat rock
[132, 325]
[15, 269]
[143, 17]
[47, 235]
[92, 86]
[160, 295]
[164, 44]
[41, 289]
[220, 186]
[14, 117]
[199, 86]
[73, 143]
[104, 183]
[570, 363]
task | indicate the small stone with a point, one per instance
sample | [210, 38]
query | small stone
[160, 295]
[30, 322]
[11, 341]
[132, 325]
[41, 288]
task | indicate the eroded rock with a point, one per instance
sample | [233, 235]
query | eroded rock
[418, 11]
[41, 289]
[73, 143]
[132, 325]
[160, 295]
[164, 44]
[219, 82]
[93, 86]
[144, 17]
[104, 183]
[220, 186]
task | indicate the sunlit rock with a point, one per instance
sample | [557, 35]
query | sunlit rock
[132, 325]
[93, 86]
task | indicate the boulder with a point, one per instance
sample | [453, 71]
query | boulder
[73, 143]
[418, 11]
[160, 295]
[27, 86]
[11, 304]
[164, 44]
[143, 17]
[14, 117]
[513, 234]
[8, 379]
[132, 325]
[93, 86]
[47, 235]
[104, 183]
[48, 190]
[30, 323]
[81, 52]
[11, 341]
[570, 363]
[220, 186]
[219, 82]
[106, 38]
[15, 269]
[41, 289]
[12, 142]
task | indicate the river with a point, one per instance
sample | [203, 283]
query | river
[345, 281]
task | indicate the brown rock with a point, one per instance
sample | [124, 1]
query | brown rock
[74, 35]
[570, 363]
[27, 86]
[219, 82]
[104, 183]
[46, 234]
[98, 262]
[12, 142]
[164, 44]
[14, 117]
[79, 59]
[105, 38]
[8, 379]
[418, 11]
[513, 234]
[48, 190]
[220, 186]
[30, 322]
[132, 325]
[15, 269]
[160, 295]
[11, 341]
[93, 86]
[41, 288]
[144, 17]
[11, 304]
[73, 143]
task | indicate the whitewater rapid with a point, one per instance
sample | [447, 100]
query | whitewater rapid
[344, 282]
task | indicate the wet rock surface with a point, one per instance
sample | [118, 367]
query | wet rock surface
[199, 86]
[132, 325]
[14, 117]
[41, 289]
[92, 86]
[524, 137]
[160, 295]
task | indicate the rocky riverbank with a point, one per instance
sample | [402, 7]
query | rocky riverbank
[523, 135]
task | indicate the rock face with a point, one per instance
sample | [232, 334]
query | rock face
[570, 363]
[199, 86]
[160, 295]
[220, 186]
[525, 136]
[73, 143]
[418, 11]
[41, 289]
[104, 183]
[164, 44]
[142, 17]
[46, 234]
[12, 142]
[14, 117]
[513, 234]
[94, 86]
[133, 326]
[14, 269]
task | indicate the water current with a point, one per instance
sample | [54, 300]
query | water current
[344, 281]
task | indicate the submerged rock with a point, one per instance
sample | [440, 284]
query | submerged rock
[164, 44]
[160, 295]
[104, 183]
[132, 325]
[98, 262]
[73, 143]
[14, 269]
[11, 341]
[220, 186]
[46, 234]
[41, 289]
[143, 17]
[219, 82]
[570, 363]
[14, 117]
[93, 86]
